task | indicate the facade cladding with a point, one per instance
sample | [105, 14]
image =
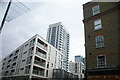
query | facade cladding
[102, 40]
[58, 36]
[35, 59]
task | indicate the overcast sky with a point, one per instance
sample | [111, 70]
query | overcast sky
[37, 21]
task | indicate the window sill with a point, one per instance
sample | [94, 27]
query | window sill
[101, 67]
[100, 47]
[96, 14]
[98, 29]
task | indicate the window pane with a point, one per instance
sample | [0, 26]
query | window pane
[101, 61]
[96, 10]
[99, 41]
[97, 24]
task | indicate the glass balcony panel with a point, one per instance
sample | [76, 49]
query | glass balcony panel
[40, 45]
[43, 46]
[32, 42]
[41, 55]
[30, 51]
[38, 72]
[27, 69]
[39, 63]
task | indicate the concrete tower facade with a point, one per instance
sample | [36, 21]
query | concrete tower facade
[58, 36]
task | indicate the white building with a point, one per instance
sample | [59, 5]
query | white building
[35, 59]
[77, 68]
[58, 36]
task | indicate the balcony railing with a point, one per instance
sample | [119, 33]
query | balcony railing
[12, 73]
[27, 71]
[32, 42]
[38, 72]
[42, 46]
[39, 63]
[41, 55]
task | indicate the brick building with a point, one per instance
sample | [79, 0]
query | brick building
[102, 40]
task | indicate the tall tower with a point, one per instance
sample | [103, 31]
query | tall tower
[58, 36]
[102, 40]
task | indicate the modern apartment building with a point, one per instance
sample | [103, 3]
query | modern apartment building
[77, 68]
[58, 36]
[102, 40]
[79, 58]
[35, 59]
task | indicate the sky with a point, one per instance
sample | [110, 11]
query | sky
[37, 21]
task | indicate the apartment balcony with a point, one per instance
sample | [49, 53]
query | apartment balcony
[27, 69]
[12, 72]
[39, 62]
[30, 51]
[7, 73]
[41, 53]
[38, 71]
[32, 42]
[41, 73]
[29, 59]
[3, 73]
[42, 44]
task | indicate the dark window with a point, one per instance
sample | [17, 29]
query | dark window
[101, 61]
[48, 65]
[17, 51]
[26, 45]
[23, 60]
[47, 73]
[25, 52]
[21, 68]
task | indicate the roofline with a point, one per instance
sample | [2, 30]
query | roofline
[60, 23]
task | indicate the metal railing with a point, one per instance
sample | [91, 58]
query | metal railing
[39, 63]
[42, 46]
[41, 55]
[38, 72]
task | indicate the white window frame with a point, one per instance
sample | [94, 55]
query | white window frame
[96, 10]
[100, 65]
[97, 24]
[99, 41]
